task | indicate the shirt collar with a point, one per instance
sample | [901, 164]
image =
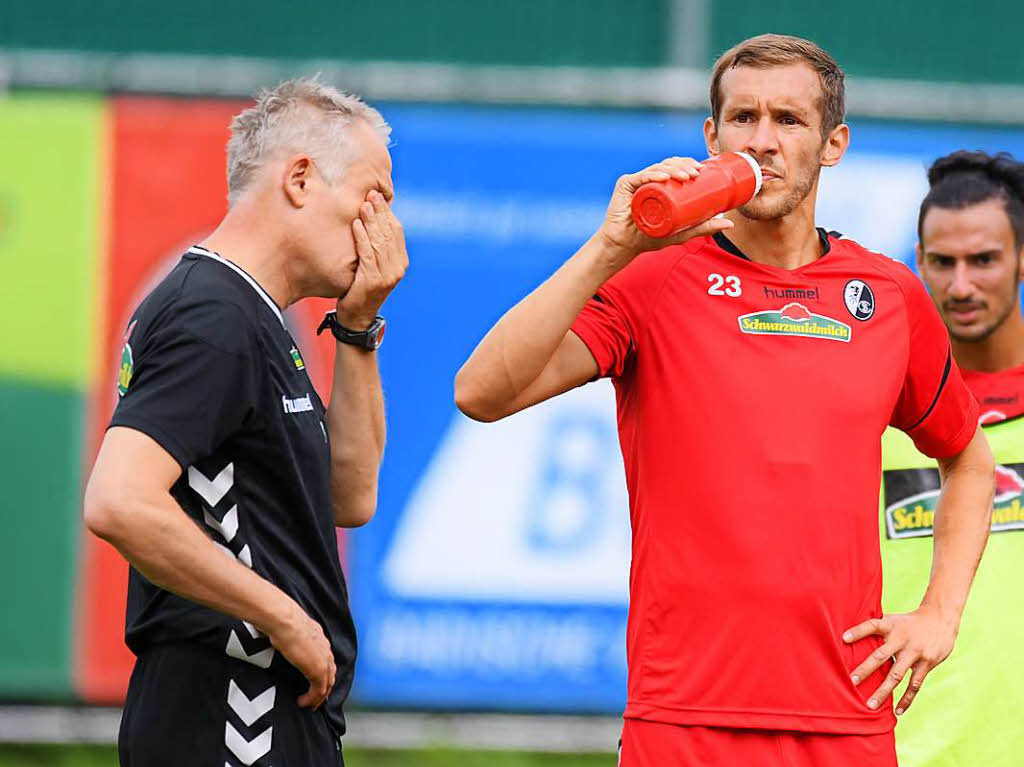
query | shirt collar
[730, 247]
[200, 251]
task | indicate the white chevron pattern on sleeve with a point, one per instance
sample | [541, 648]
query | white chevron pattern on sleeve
[212, 490]
[245, 556]
[228, 526]
[247, 751]
[250, 710]
[254, 632]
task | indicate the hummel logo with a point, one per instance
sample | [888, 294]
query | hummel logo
[298, 405]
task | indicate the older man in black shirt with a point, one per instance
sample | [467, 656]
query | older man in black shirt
[222, 475]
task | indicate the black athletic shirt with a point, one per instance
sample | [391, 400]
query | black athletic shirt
[211, 373]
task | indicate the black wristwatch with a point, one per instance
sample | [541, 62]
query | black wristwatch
[369, 339]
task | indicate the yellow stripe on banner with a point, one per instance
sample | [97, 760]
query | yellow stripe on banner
[52, 199]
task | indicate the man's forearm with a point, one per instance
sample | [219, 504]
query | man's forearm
[962, 523]
[513, 354]
[355, 418]
[509, 369]
[167, 547]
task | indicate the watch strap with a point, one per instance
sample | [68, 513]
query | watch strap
[369, 339]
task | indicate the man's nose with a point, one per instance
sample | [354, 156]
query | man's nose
[961, 287]
[764, 140]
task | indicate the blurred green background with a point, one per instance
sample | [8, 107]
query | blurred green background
[915, 39]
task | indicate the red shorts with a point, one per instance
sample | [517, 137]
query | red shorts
[653, 744]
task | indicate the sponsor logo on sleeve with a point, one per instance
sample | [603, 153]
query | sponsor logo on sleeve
[124, 373]
[859, 299]
[911, 497]
[794, 319]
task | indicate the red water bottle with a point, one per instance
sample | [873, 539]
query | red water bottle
[728, 180]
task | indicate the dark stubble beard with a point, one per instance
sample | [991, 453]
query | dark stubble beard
[988, 330]
[767, 209]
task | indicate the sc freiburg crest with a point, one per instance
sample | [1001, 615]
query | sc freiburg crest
[859, 298]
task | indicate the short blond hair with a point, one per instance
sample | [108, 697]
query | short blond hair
[766, 51]
[305, 115]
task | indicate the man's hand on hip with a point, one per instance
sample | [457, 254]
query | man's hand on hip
[917, 641]
[301, 640]
[380, 247]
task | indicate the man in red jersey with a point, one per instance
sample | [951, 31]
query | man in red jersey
[971, 237]
[977, 200]
[757, 361]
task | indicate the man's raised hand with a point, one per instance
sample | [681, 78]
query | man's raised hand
[380, 247]
[620, 234]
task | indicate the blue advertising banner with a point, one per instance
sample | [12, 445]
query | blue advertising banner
[495, 572]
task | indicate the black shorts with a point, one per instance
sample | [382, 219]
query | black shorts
[191, 705]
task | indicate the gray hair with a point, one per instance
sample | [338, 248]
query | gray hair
[303, 115]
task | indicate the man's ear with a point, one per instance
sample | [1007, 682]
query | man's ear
[836, 144]
[711, 137]
[920, 256]
[297, 177]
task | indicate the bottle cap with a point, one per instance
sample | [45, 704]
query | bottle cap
[756, 168]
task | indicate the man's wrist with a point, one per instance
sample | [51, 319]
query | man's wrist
[605, 257]
[950, 614]
[357, 322]
[279, 613]
[368, 339]
[614, 247]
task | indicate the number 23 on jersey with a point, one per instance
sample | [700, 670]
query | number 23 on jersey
[732, 286]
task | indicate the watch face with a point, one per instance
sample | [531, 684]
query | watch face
[378, 336]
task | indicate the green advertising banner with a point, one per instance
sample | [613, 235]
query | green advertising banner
[51, 213]
[51, 209]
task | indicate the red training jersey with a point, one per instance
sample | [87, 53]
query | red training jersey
[1000, 394]
[751, 404]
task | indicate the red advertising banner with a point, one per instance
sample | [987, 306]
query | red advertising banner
[168, 192]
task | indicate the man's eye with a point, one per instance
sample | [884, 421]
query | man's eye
[984, 260]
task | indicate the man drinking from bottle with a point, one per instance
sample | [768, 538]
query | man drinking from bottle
[757, 361]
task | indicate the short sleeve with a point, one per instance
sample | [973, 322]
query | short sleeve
[935, 407]
[192, 381]
[604, 328]
[610, 323]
